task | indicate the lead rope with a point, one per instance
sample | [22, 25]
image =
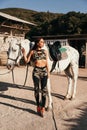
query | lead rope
[25, 76]
[9, 72]
[5, 72]
[13, 76]
[53, 117]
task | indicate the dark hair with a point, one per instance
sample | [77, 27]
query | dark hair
[38, 39]
[36, 42]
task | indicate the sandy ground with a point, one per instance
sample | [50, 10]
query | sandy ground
[18, 107]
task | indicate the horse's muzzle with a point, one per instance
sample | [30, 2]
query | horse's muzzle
[10, 67]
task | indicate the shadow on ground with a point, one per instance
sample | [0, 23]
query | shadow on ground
[4, 87]
[80, 122]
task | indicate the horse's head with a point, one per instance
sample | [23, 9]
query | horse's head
[15, 53]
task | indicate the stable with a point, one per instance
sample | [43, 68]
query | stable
[11, 26]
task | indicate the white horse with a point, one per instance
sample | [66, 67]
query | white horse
[71, 63]
[15, 55]
[14, 51]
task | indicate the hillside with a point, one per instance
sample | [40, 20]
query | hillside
[30, 15]
[51, 23]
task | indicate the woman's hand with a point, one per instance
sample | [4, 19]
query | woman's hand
[23, 51]
[24, 54]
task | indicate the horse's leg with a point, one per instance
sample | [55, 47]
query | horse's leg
[49, 95]
[75, 77]
[69, 77]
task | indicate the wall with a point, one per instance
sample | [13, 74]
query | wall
[51, 41]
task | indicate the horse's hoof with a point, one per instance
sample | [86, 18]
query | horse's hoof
[48, 108]
[67, 98]
[72, 98]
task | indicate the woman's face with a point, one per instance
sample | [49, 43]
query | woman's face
[41, 43]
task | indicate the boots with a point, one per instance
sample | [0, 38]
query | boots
[40, 111]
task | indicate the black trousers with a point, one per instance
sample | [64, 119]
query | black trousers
[40, 81]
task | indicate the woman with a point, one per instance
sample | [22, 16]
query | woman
[40, 72]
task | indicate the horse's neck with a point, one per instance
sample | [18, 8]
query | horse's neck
[26, 46]
[45, 47]
[49, 61]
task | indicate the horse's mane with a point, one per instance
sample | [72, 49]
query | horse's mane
[54, 50]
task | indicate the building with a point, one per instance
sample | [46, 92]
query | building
[11, 26]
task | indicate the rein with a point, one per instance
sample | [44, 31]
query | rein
[53, 117]
[5, 72]
[15, 60]
[19, 52]
[9, 72]
[25, 77]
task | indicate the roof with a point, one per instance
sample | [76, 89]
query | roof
[15, 19]
[69, 37]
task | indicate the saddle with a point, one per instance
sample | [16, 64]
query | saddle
[54, 51]
[63, 53]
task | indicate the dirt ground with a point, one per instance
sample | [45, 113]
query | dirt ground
[18, 107]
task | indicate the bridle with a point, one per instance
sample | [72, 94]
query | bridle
[15, 60]
[19, 54]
